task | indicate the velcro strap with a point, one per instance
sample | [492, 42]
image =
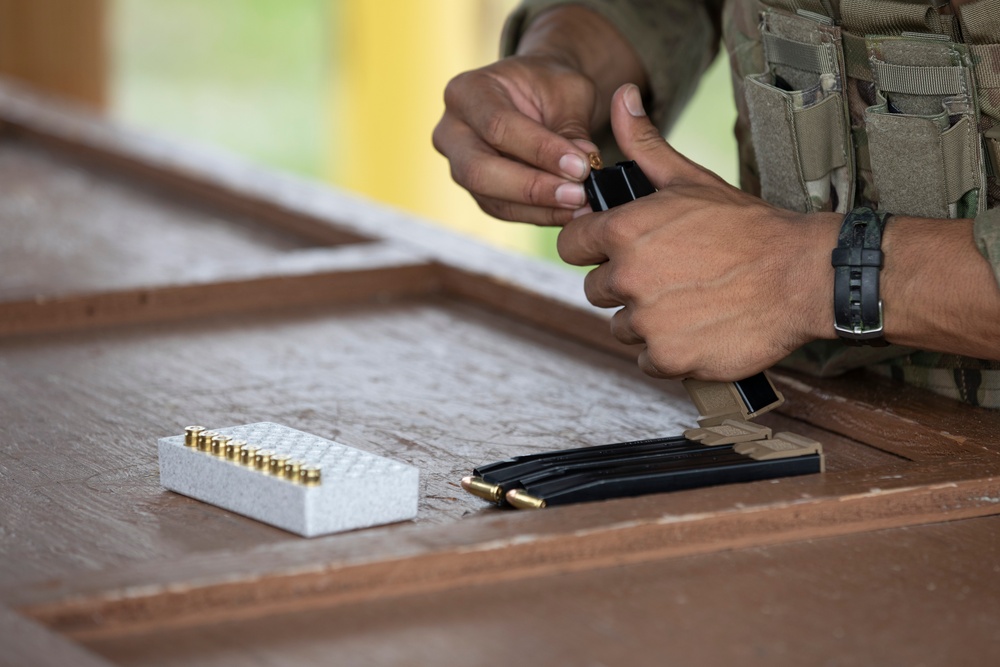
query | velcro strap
[857, 257]
[887, 17]
[980, 21]
[993, 155]
[817, 58]
[856, 57]
[816, 6]
[960, 176]
[820, 136]
[910, 80]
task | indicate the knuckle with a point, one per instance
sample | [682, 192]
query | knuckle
[622, 281]
[621, 327]
[456, 90]
[469, 174]
[437, 137]
[616, 232]
[661, 362]
[638, 323]
[534, 191]
[497, 124]
[553, 217]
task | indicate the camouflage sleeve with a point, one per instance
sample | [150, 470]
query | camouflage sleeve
[676, 41]
[987, 233]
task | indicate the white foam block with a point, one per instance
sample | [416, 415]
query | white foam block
[357, 489]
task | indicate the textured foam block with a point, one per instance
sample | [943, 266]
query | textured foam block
[357, 489]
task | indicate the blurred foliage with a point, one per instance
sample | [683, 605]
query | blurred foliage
[246, 75]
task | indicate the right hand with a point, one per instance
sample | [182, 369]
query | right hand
[517, 135]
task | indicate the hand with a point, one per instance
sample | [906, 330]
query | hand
[716, 283]
[516, 134]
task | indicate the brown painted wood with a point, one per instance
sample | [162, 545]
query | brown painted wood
[56, 46]
[26, 642]
[352, 273]
[927, 595]
[417, 344]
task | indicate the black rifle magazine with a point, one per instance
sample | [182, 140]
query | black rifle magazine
[638, 468]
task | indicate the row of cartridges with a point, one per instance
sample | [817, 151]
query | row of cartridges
[730, 452]
[246, 454]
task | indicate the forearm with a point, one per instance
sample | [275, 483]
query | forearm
[938, 291]
[588, 42]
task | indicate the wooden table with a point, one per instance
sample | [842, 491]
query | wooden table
[146, 286]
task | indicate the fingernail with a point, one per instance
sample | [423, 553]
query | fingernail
[633, 101]
[583, 210]
[571, 194]
[573, 166]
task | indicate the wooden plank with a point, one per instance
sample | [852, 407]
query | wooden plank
[232, 585]
[348, 274]
[77, 67]
[928, 595]
[25, 642]
[891, 416]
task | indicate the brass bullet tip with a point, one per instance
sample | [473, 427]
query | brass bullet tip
[480, 488]
[191, 435]
[595, 161]
[520, 499]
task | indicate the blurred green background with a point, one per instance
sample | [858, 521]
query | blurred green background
[278, 80]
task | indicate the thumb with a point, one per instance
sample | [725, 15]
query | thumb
[641, 141]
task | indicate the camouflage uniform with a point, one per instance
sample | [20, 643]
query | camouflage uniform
[886, 103]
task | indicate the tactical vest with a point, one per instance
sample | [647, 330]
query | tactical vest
[887, 103]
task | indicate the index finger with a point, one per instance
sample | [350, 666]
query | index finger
[581, 241]
[495, 118]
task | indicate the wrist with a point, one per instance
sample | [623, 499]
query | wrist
[811, 278]
[587, 42]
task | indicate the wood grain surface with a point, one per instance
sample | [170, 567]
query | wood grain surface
[927, 595]
[25, 642]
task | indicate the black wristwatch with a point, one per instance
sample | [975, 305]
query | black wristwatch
[857, 261]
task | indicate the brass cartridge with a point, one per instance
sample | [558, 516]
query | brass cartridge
[310, 475]
[191, 435]
[277, 465]
[233, 450]
[205, 441]
[262, 460]
[219, 445]
[248, 455]
[520, 499]
[477, 486]
[292, 470]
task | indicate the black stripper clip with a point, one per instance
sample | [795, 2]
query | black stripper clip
[613, 186]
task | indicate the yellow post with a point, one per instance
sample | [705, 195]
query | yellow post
[392, 61]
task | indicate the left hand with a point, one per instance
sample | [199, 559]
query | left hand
[717, 283]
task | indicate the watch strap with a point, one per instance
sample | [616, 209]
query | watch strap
[857, 261]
